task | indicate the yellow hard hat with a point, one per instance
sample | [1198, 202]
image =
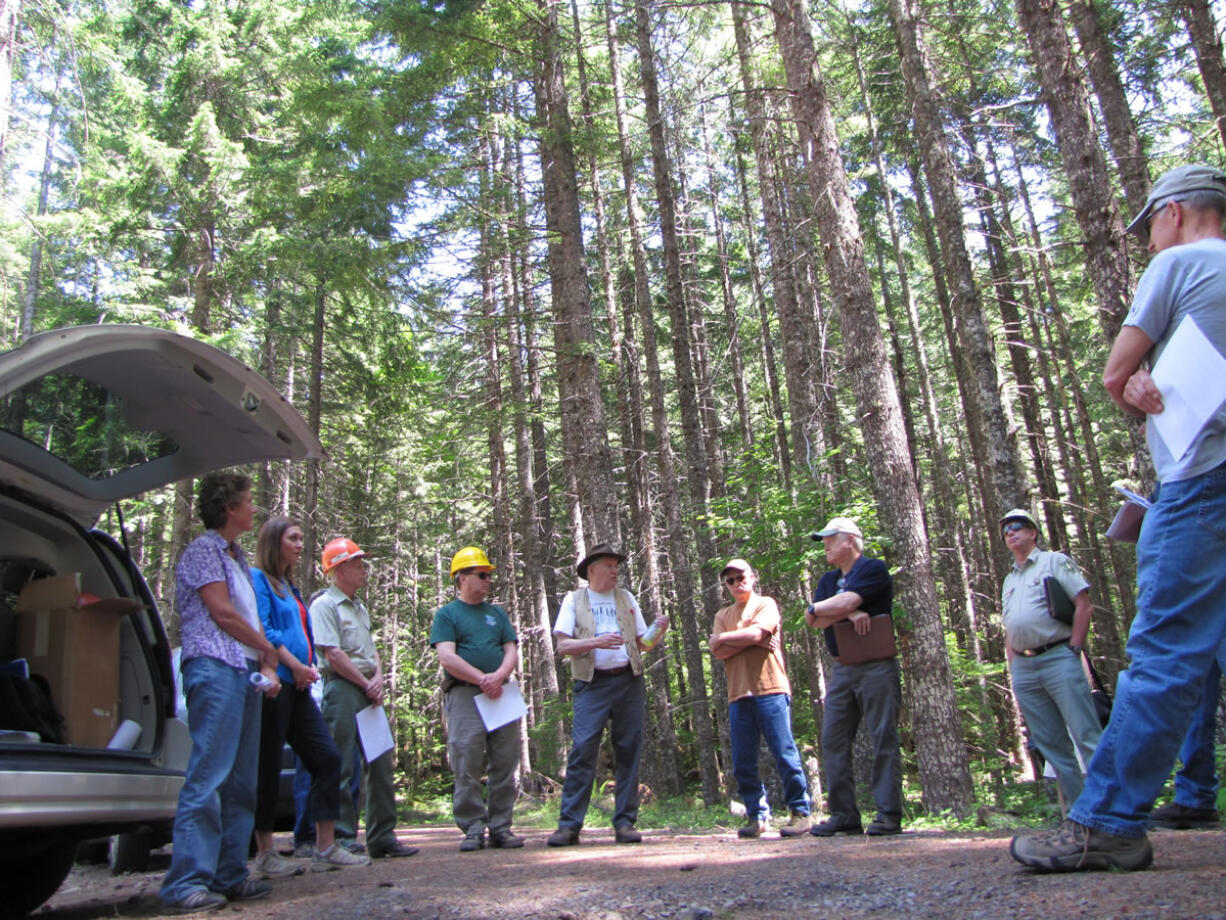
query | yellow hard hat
[467, 558]
[338, 551]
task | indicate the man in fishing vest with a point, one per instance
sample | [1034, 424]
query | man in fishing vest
[601, 628]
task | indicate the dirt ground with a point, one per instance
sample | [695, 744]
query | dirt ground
[701, 876]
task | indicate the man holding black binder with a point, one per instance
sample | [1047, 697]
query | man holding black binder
[852, 606]
[1043, 643]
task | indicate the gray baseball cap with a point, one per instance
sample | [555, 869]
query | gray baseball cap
[1177, 183]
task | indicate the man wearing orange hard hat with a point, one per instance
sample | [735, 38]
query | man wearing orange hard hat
[353, 680]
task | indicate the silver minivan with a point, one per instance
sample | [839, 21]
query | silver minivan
[90, 415]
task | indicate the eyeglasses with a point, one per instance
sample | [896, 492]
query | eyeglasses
[735, 579]
[1014, 527]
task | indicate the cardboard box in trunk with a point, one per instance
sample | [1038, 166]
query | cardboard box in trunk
[77, 650]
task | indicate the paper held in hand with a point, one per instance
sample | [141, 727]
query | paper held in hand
[373, 730]
[507, 708]
[1191, 376]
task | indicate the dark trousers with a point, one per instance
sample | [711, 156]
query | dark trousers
[304, 817]
[620, 700]
[293, 716]
[868, 693]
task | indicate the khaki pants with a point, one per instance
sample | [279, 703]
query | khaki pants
[469, 746]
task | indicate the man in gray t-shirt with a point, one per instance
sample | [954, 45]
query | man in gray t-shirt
[1181, 554]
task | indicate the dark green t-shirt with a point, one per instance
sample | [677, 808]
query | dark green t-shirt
[478, 631]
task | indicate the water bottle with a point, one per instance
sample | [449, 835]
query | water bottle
[652, 636]
[259, 682]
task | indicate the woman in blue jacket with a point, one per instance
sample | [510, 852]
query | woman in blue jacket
[293, 715]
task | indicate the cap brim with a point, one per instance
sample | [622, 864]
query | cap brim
[1138, 227]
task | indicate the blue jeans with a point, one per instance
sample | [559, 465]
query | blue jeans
[1196, 781]
[1180, 622]
[1054, 696]
[769, 717]
[870, 692]
[217, 803]
[621, 699]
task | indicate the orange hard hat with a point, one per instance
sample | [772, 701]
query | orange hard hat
[340, 550]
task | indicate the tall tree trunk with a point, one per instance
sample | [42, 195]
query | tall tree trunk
[34, 275]
[315, 382]
[798, 365]
[10, 10]
[1207, 42]
[584, 427]
[1085, 168]
[943, 768]
[1122, 135]
[692, 611]
[995, 442]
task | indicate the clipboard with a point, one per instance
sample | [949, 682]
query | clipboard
[1059, 605]
[857, 649]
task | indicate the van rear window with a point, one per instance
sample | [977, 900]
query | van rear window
[82, 424]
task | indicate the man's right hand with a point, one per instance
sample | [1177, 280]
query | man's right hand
[608, 640]
[374, 689]
[1141, 392]
[861, 621]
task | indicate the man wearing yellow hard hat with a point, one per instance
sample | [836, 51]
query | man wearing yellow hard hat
[478, 650]
[353, 680]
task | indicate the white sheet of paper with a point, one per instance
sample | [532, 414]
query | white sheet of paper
[1191, 376]
[507, 708]
[374, 731]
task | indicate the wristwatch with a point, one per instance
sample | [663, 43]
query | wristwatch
[1075, 649]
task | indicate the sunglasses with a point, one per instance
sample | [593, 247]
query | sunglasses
[484, 576]
[735, 579]
[1013, 527]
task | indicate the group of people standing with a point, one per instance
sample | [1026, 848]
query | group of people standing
[251, 651]
[236, 623]
[600, 627]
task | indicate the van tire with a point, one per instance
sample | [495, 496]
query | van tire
[28, 879]
[129, 852]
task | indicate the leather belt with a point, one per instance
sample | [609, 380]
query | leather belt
[1039, 650]
[612, 672]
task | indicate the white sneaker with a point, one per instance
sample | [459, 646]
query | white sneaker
[337, 857]
[273, 865]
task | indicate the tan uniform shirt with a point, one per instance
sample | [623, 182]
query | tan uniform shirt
[1027, 623]
[755, 670]
[343, 622]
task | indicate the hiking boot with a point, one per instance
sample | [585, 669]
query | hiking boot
[563, 837]
[832, 826]
[270, 865]
[197, 902]
[473, 842]
[883, 828]
[753, 827]
[505, 840]
[337, 857]
[1072, 847]
[1181, 817]
[248, 890]
[797, 826]
[625, 833]
[394, 850]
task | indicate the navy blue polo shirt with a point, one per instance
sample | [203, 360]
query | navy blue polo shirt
[870, 579]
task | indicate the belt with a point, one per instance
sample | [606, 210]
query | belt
[1039, 650]
[612, 672]
[460, 683]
